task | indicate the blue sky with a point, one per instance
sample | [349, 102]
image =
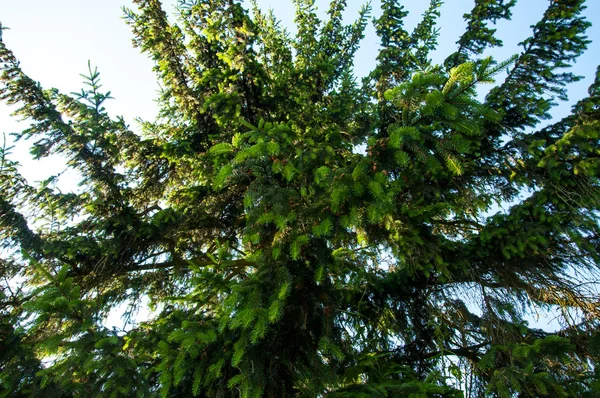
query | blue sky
[55, 39]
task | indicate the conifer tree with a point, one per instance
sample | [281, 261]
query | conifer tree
[300, 234]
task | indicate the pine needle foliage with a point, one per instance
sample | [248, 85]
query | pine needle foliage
[300, 234]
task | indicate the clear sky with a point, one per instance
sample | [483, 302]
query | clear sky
[55, 39]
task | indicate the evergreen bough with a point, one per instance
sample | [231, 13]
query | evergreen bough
[300, 234]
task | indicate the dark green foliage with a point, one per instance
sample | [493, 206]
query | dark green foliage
[300, 235]
[479, 36]
[538, 75]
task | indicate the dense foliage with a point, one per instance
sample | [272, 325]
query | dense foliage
[298, 233]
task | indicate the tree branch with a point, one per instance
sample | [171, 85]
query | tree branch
[241, 263]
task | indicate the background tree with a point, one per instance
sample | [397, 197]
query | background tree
[300, 234]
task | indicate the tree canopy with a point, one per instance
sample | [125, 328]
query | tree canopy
[299, 233]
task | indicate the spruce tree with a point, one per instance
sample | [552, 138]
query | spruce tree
[298, 233]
